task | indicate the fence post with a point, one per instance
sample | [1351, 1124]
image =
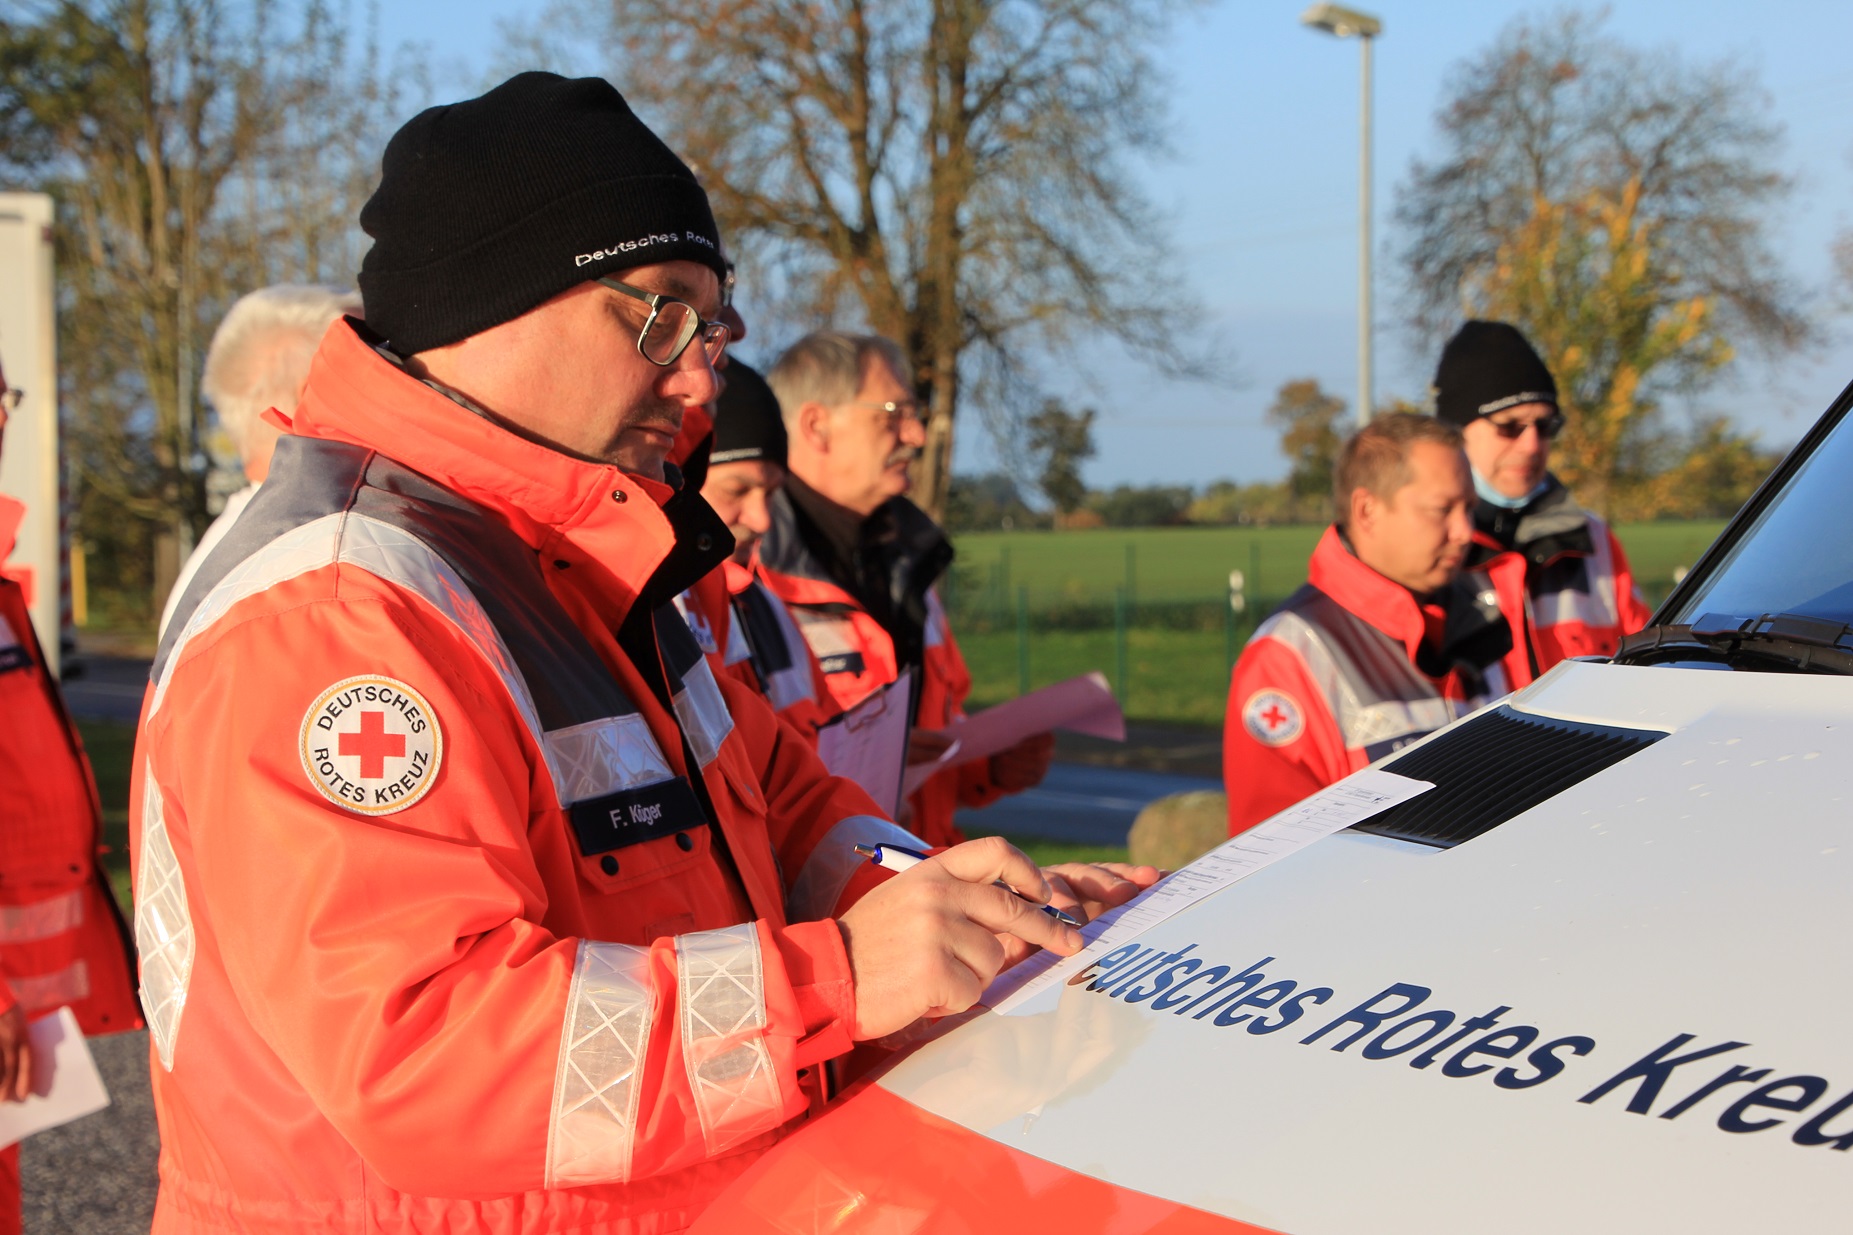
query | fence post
[1228, 633]
[1254, 578]
[1023, 639]
[1119, 645]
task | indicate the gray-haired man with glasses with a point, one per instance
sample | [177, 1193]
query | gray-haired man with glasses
[856, 562]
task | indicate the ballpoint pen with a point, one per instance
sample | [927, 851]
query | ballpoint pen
[895, 858]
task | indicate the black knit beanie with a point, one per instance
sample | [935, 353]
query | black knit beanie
[1485, 368]
[747, 422]
[488, 207]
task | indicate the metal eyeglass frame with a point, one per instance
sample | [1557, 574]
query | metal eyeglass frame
[656, 301]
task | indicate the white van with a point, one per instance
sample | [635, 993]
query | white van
[1599, 978]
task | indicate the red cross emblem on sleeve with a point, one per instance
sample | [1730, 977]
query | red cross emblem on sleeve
[1273, 717]
[371, 744]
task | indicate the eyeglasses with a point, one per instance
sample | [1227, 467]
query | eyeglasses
[11, 398]
[1548, 427]
[672, 325]
[895, 412]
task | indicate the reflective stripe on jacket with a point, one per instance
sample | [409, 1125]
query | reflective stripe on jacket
[468, 898]
[62, 938]
[1330, 683]
[1564, 585]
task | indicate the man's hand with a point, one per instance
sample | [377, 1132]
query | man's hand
[1024, 765]
[928, 941]
[1086, 891]
[926, 745]
[15, 1056]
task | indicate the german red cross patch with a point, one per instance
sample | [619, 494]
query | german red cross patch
[371, 744]
[1273, 718]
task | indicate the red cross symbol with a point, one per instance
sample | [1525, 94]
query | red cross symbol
[1274, 718]
[372, 743]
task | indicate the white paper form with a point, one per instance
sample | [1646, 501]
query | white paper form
[65, 1083]
[1352, 800]
[1082, 704]
[868, 743]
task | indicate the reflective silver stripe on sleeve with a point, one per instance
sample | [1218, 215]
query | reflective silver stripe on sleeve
[737, 648]
[721, 1000]
[593, 1125]
[793, 684]
[833, 862]
[42, 919]
[935, 619]
[163, 927]
[703, 712]
[604, 756]
[41, 991]
[1598, 607]
[401, 558]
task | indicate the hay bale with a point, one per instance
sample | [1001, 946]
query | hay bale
[1177, 830]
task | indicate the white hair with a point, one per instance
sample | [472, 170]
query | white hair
[259, 356]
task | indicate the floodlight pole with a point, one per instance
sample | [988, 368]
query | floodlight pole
[1350, 23]
[1366, 394]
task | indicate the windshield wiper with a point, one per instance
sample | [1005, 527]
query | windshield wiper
[1783, 642]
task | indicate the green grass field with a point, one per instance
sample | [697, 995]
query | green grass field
[111, 748]
[1176, 675]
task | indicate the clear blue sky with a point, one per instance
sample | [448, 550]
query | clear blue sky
[1262, 199]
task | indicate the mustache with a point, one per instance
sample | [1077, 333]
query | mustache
[906, 454]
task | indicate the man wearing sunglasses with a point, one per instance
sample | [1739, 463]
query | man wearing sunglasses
[1563, 581]
[467, 896]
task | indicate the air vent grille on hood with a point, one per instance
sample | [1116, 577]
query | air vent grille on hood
[1496, 767]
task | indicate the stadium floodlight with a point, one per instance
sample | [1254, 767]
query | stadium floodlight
[1349, 23]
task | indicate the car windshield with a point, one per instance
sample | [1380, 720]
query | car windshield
[1796, 556]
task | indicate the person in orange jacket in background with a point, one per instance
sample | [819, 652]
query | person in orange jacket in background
[468, 897]
[745, 468]
[1389, 639]
[1564, 582]
[62, 938]
[856, 562]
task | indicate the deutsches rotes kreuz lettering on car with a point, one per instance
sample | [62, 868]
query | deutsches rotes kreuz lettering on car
[1593, 980]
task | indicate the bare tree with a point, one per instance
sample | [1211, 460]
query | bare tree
[1557, 111]
[953, 172]
[196, 149]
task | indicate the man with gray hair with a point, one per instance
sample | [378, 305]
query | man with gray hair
[856, 562]
[259, 359]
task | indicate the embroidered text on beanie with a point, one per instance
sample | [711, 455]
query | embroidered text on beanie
[747, 422]
[488, 207]
[1485, 368]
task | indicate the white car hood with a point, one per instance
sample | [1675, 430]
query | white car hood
[1700, 887]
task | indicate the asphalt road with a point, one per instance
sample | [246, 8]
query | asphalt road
[1081, 803]
[96, 1175]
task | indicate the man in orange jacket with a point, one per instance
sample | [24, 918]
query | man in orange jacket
[762, 644]
[857, 562]
[1564, 583]
[62, 938]
[1388, 641]
[467, 896]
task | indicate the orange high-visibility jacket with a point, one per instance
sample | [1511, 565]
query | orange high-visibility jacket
[858, 657]
[467, 898]
[1343, 673]
[62, 938]
[1564, 583]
